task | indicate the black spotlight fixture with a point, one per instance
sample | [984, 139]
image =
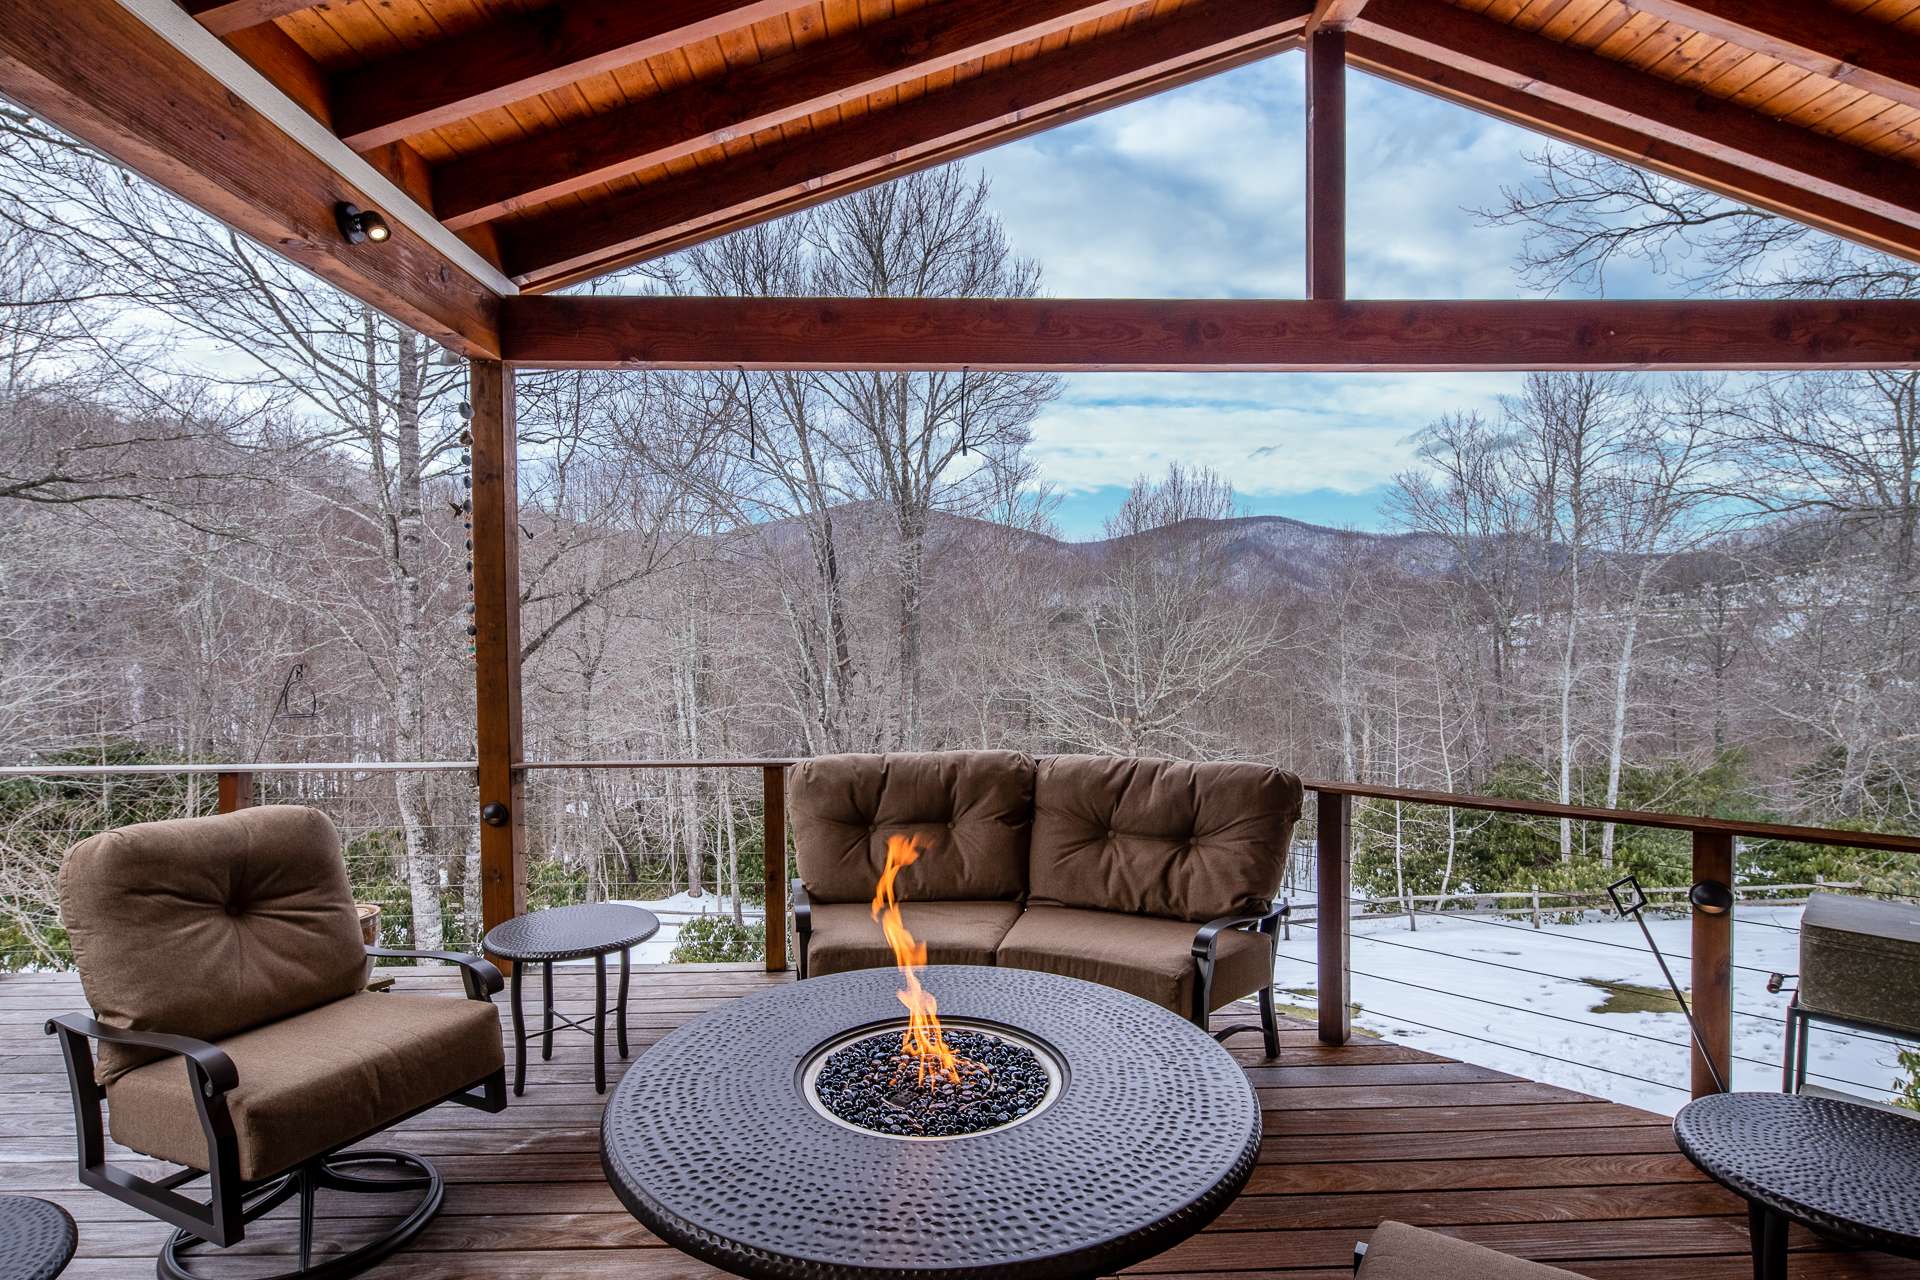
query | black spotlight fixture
[359, 225]
[1711, 898]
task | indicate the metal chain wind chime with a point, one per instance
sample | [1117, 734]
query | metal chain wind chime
[963, 411]
[466, 518]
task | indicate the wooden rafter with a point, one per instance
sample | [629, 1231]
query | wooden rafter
[983, 111]
[224, 17]
[1075, 335]
[1843, 46]
[789, 87]
[1327, 164]
[1333, 15]
[95, 70]
[1751, 156]
[520, 57]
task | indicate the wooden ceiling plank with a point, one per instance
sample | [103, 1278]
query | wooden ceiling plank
[97, 71]
[1854, 50]
[763, 95]
[1622, 140]
[980, 112]
[503, 62]
[1609, 92]
[224, 17]
[1070, 335]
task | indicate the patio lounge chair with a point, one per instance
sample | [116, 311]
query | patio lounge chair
[232, 943]
[1400, 1252]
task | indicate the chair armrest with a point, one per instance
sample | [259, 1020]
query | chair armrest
[802, 907]
[482, 979]
[1207, 940]
[217, 1072]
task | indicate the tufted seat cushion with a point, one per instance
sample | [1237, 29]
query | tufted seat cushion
[970, 811]
[1400, 1252]
[207, 927]
[845, 936]
[314, 1081]
[1166, 838]
[1149, 957]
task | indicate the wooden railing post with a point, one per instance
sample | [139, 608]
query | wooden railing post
[773, 793]
[236, 792]
[1712, 977]
[1333, 861]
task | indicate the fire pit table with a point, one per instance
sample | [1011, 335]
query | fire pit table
[1114, 1130]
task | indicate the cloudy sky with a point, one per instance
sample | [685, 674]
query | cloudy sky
[1199, 193]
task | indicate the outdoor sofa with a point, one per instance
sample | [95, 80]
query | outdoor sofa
[1158, 877]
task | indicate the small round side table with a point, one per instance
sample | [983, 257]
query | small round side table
[37, 1238]
[571, 933]
[1840, 1168]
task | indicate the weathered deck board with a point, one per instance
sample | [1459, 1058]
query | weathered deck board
[1353, 1135]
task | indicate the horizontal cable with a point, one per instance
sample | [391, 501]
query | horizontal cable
[1382, 1016]
[1527, 929]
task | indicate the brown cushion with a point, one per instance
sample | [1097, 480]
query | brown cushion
[1400, 1252]
[204, 927]
[316, 1080]
[1160, 837]
[971, 811]
[1150, 957]
[845, 936]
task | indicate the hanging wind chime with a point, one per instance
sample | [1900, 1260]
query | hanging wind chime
[466, 516]
[963, 411]
[753, 425]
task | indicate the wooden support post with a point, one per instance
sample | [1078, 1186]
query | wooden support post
[773, 794]
[1712, 977]
[1330, 915]
[495, 547]
[236, 792]
[1327, 166]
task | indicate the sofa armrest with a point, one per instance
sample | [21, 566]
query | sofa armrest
[1207, 941]
[215, 1069]
[481, 978]
[802, 919]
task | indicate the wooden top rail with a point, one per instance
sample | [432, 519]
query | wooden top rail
[773, 763]
[332, 766]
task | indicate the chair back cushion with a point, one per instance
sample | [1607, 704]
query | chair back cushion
[1160, 837]
[205, 927]
[971, 811]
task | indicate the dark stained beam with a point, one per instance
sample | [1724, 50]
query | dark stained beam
[224, 17]
[1084, 335]
[1333, 15]
[521, 57]
[1855, 50]
[792, 86]
[1734, 138]
[95, 70]
[1327, 164]
[989, 109]
[1617, 137]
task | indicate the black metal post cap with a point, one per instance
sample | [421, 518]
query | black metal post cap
[494, 814]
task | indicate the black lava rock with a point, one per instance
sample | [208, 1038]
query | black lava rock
[873, 1084]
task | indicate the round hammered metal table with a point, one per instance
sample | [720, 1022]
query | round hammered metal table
[571, 933]
[711, 1142]
[37, 1238]
[1837, 1167]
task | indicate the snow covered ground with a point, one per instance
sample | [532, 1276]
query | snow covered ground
[673, 913]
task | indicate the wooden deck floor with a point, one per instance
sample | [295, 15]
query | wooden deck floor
[1353, 1135]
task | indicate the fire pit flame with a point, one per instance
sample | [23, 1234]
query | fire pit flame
[923, 1040]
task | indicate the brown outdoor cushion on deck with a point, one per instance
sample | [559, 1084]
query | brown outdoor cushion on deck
[314, 1081]
[1160, 837]
[845, 936]
[205, 927]
[1149, 957]
[971, 811]
[1400, 1252]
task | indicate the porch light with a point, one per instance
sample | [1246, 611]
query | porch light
[1711, 898]
[359, 225]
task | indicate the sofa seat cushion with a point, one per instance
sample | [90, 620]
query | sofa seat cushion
[1160, 837]
[968, 811]
[846, 937]
[314, 1081]
[1400, 1252]
[1150, 957]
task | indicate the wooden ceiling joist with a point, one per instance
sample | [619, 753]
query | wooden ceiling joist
[1107, 334]
[95, 70]
[762, 95]
[224, 17]
[518, 58]
[989, 109]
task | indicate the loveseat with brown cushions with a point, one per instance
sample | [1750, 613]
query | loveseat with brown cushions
[1157, 877]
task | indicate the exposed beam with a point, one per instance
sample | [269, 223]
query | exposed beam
[652, 131]
[1875, 56]
[1736, 139]
[1080, 335]
[96, 70]
[520, 57]
[1333, 15]
[1327, 164]
[1615, 136]
[986, 110]
[224, 17]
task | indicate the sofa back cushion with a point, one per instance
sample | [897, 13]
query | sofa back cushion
[206, 927]
[1160, 837]
[970, 811]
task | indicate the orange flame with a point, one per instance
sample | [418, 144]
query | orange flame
[923, 1039]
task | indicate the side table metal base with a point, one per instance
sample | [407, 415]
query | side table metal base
[549, 1016]
[1769, 1232]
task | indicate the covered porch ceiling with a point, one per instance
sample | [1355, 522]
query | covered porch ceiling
[518, 146]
